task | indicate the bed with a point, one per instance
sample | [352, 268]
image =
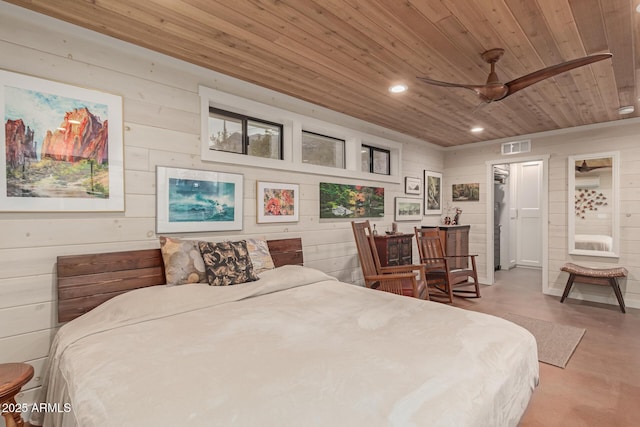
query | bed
[296, 347]
[594, 242]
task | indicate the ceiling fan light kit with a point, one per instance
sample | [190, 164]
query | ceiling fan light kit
[493, 90]
[398, 88]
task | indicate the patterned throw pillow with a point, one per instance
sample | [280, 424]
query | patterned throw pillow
[227, 263]
[260, 255]
[182, 261]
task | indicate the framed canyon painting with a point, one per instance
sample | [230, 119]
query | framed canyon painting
[62, 149]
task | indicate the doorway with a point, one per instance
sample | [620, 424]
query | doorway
[517, 216]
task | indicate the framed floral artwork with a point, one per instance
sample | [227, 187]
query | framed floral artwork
[62, 149]
[277, 202]
[190, 200]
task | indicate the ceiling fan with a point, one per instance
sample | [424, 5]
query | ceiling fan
[494, 90]
[586, 168]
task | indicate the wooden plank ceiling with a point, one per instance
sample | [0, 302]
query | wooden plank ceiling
[344, 54]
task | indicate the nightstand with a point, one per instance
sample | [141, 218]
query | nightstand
[12, 377]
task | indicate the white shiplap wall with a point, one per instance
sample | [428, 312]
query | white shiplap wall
[162, 127]
[467, 164]
[162, 119]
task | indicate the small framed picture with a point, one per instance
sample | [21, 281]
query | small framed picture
[432, 193]
[408, 209]
[190, 200]
[277, 202]
[412, 185]
[465, 192]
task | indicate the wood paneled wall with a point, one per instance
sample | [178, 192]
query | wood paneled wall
[161, 115]
[162, 127]
[469, 165]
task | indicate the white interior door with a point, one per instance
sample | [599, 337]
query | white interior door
[529, 214]
[512, 253]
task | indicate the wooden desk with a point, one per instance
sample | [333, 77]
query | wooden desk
[395, 249]
[12, 377]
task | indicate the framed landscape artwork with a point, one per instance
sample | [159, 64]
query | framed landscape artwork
[62, 147]
[408, 209]
[465, 192]
[191, 200]
[412, 185]
[277, 202]
[351, 201]
[432, 193]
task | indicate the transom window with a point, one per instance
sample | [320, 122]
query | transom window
[236, 133]
[375, 160]
[284, 140]
[323, 150]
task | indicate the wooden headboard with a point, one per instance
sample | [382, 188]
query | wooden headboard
[86, 281]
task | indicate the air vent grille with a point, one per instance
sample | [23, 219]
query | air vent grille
[516, 147]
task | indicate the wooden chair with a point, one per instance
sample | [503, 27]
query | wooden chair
[399, 280]
[440, 276]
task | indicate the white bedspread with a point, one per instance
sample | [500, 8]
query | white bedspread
[593, 242]
[296, 348]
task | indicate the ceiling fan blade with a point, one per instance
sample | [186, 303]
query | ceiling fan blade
[447, 84]
[487, 92]
[545, 73]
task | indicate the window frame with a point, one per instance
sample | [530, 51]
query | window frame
[373, 149]
[328, 137]
[293, 123]
[245, 134]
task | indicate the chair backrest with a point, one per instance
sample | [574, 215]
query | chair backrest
[430, 247]
[367, 253]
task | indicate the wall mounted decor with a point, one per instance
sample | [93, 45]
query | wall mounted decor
[412, 185]
[277, 202]
[593, 225]
[432, 193]
[191, 200]
[62, 148]
[351, 201]
[408, 209]
[465, 192]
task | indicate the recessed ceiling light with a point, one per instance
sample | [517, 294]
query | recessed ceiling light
[638, 8]
[399, 88]
[477, 129]
[627, 109]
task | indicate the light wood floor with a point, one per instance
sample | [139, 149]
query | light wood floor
[601, 384]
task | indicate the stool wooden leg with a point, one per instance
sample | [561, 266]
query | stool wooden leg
[618, 292]
[12, 419]
[567, 288]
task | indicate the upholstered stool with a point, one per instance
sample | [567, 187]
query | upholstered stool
[12, 377]
[595, 276]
